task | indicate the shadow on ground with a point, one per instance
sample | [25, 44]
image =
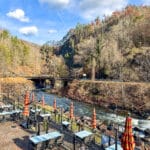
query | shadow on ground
[22, 143]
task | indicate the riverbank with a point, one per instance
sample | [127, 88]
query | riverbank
[124, 96]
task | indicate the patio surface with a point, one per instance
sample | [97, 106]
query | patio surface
[13, 137]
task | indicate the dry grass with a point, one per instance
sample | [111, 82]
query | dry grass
[13, 80]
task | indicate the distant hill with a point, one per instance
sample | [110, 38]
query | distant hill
[119, 45]
[22, 58]
[18, 57]
[115, 48]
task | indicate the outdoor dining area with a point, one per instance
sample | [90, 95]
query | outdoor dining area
[51, 128]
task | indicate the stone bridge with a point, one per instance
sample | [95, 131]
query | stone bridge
[45, 81]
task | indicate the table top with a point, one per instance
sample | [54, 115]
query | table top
[10, 112]
[45, 115]
[140, 134]
[6, 106]
[33, 110]
[83, 134]
[112, 147]
[105, 139]
[6, 113]
[66, 123]
[45, 137]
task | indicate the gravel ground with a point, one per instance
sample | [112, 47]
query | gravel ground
[13, 137]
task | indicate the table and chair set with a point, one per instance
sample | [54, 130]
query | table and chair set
[65, 125]
[55, 139]
[82, 139]
[46, 141]
[51, 139]
[35, 116]
[7, 112]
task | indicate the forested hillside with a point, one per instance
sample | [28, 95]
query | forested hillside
[114, 48]
[117, 47]
[18, 57]
[22, 58]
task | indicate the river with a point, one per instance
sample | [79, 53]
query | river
[83, 109]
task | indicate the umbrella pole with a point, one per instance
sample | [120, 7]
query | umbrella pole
[74, 142]
[109, 140]
[47, 126]
[38, 133]
[61, 115]
[116, 138]
[18, 102]
[55, 115]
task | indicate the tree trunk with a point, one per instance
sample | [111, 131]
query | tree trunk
[93, 69]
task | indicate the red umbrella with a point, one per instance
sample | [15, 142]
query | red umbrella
[71, 111]
[94, 119]
[26, 105]
[54, 105]
[127, 141]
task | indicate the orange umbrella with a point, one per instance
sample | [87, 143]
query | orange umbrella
[94, 119]
[127, 141]
[26, 105]
[71, 111]
[54, 105]
[43, 101]
[32, 97]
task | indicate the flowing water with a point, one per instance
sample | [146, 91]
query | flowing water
[83, 109]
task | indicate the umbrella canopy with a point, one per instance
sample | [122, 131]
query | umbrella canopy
[32, 97]
[94, 119]
[127, 141]
[26, 105]
[71, 115]
[43, 101]
[54, 105]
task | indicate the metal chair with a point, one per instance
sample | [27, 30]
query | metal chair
[39, 146]
[51, 143]
[59, 140]
[89, 139]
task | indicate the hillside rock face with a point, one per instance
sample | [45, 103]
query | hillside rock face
[133, 97]
[120, 44]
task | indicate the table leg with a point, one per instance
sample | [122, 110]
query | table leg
[74, 142]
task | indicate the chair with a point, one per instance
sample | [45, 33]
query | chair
[59, 140]
[92, 138]
[89, 139]
[51, 143]
[32, 146]
[39, 146]
[105, 145]
[83, 147]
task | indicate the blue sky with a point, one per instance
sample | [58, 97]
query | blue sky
[39, 21]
